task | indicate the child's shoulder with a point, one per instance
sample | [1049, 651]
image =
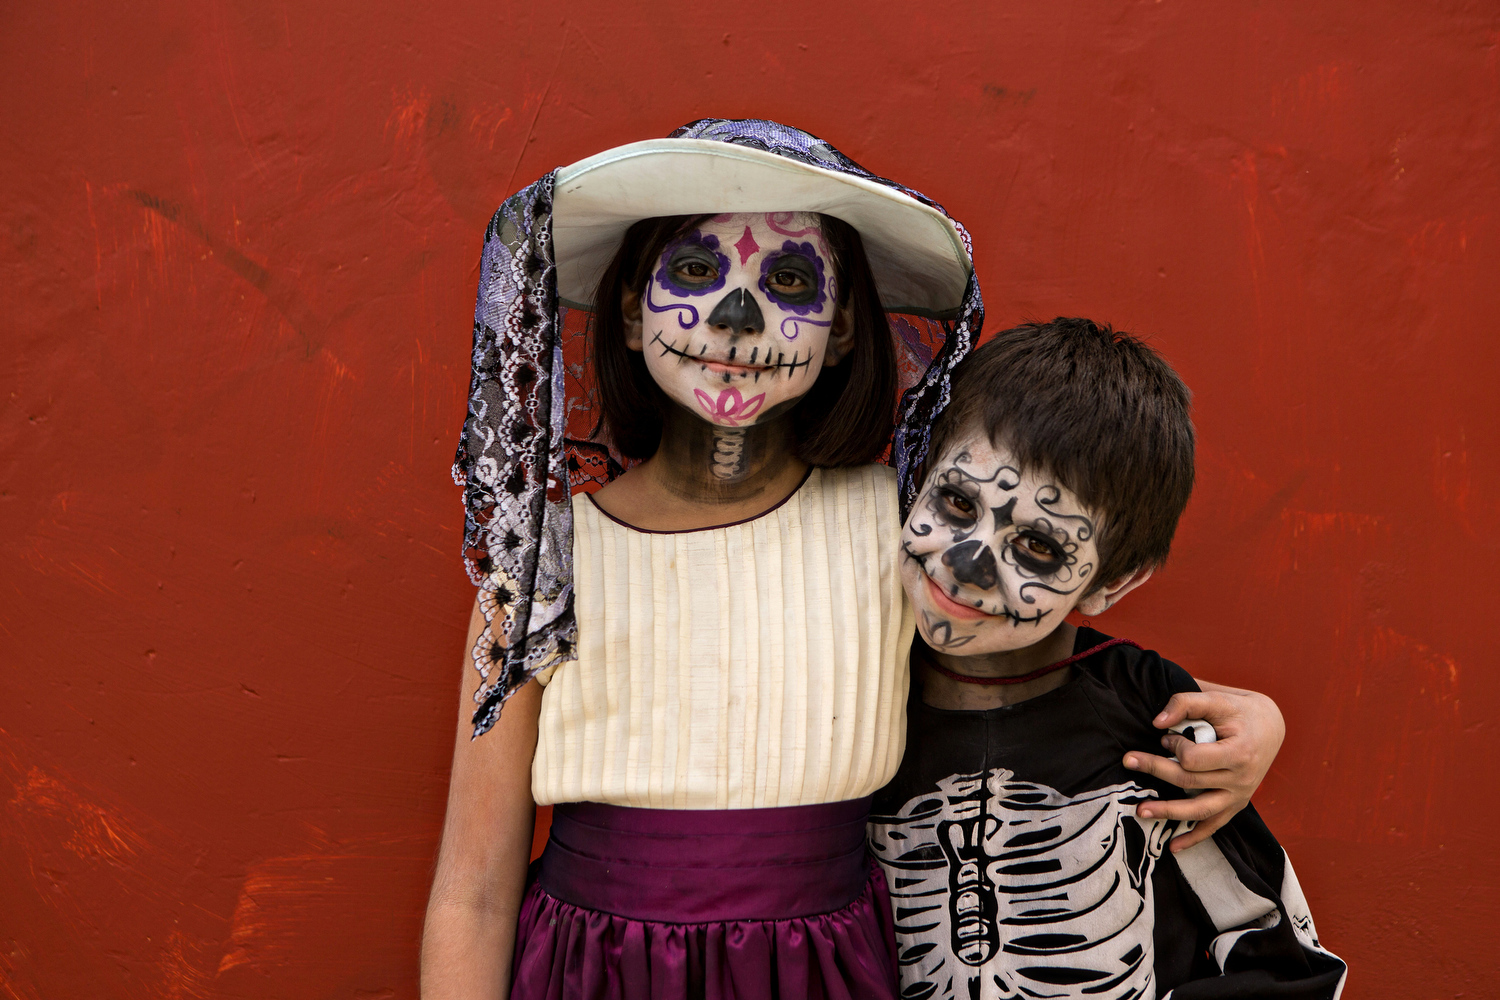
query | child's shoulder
[875, 481]
[877, 473]
[1141, 679]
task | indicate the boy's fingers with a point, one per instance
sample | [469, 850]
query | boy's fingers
[1157, 767]
[1220, 756]
[1204, 807]
[1218, 709]
[1173, 773]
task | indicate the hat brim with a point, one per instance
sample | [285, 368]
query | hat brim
[915, 253]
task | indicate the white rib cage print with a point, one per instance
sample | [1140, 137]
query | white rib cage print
[1009, 889]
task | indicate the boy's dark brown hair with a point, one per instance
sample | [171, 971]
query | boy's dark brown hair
[1099, 410]
[846, 418]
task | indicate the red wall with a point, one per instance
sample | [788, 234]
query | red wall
[239, 260]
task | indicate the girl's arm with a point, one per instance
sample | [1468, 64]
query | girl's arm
[481, 868]
[1250, 730]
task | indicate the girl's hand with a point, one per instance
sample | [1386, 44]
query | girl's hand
[1250, 730]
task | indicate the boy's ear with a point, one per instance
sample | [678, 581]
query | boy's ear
[1100, 600]
[840, 336]
[630, 311]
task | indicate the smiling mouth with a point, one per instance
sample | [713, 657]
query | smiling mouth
[953, 608]
[752, 365]
[950, 607]
[726, 366]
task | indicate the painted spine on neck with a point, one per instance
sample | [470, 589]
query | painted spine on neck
[729, 452]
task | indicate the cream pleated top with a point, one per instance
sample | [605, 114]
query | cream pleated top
[752, 665]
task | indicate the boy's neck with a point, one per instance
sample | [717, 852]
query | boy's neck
[945, 692]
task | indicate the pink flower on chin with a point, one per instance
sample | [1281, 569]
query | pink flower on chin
[731, 407]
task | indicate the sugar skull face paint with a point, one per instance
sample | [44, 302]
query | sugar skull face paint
[737, 315]
[993, 556]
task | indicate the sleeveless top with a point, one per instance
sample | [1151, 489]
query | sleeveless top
[750, 665]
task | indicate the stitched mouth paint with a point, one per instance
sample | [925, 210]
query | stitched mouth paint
[781, 363]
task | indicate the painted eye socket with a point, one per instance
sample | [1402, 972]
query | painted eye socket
[792, 279]
[693, 267]
[1038, 553]
[959, 504]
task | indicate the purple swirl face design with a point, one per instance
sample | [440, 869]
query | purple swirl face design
[993, 556]
[737, 314]
[691, 266]
[809, 294]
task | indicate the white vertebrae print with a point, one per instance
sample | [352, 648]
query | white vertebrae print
[1006, 888]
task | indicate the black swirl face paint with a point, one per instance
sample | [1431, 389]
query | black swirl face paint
[993, 556]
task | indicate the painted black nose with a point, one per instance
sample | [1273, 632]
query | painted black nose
[973, 563]
[738, 312]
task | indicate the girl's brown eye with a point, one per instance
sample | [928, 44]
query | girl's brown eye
[962, 504]
[1036, 545]
[792, 279]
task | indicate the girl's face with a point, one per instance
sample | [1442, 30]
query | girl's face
[740, 315]
[994, 556]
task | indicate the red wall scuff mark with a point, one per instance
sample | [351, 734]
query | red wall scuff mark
[239, 254]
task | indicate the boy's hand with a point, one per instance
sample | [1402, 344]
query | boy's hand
[1250, 729]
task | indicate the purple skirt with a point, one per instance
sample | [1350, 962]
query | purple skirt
[654, 904]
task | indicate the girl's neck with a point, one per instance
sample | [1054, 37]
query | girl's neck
[703, 475]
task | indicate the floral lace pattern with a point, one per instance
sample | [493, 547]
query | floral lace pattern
[527, 441]
[518, 528]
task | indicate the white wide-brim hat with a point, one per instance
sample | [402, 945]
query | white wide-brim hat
[918, 259]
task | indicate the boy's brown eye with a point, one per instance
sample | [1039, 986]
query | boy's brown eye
[1037, 553]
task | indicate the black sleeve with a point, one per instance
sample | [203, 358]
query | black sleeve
[1178, 679]
[1240, 889]
[1142, 680]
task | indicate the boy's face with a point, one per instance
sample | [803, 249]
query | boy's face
[994, 556]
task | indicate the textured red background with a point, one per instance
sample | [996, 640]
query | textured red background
[239, 256]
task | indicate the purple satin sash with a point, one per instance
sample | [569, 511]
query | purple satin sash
[695, 865]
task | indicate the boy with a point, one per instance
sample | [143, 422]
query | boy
[1009, 836]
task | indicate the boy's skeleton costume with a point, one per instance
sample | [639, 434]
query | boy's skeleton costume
[1026, 874]
[1074, 879]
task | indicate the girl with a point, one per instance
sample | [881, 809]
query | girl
[703, 663]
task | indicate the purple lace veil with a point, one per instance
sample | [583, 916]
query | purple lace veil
[526, 443]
